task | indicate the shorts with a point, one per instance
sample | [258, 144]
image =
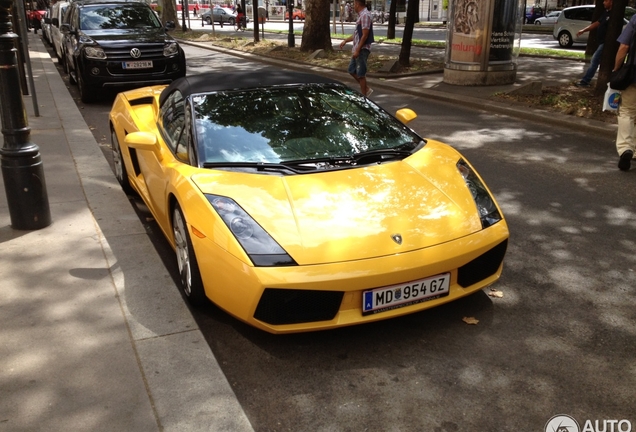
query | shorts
[358, 66]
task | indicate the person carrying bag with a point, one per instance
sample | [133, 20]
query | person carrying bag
[625, 139]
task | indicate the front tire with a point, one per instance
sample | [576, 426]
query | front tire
[232, 21]
[208, 20]
[191, 283]
[87, 94]
[565, 39]
[120, 167]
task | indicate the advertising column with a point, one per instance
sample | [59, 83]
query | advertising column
[483, 42]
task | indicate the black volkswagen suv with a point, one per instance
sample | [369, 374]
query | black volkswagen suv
[118, 43]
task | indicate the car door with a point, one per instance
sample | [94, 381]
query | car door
[174, 126]
[69, 38]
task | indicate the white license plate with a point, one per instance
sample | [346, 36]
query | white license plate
[397, 296]
[137, 64]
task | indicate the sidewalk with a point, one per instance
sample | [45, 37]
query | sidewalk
[94, 333]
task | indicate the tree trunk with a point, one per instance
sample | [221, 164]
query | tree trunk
[169, 13]
[412, 15]
[316, 33]
[614, 29]
[390, 29]
[592, 43]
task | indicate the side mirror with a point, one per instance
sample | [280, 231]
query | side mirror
[55, 22]
[405, 115]
[170, 25]
[144, 141]
[47, 20]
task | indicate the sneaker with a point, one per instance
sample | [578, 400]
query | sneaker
[582, 84]
[369, 91]
[625, 161]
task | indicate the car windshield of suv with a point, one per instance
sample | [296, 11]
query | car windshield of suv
[124, 16]
[295, 123]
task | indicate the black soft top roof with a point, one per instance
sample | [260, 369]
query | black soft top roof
[220, 81]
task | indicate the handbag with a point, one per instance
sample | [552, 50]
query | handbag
[624, 76]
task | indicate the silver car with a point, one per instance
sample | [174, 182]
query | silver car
[221, 15]
[575, 18]
[549, 19]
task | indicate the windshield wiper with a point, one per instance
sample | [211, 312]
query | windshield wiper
[380, 155]
[296, 166]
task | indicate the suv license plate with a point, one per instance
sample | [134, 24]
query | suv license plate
[397, 296]
[137, 64]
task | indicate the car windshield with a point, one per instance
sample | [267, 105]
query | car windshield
[124, 16]
[294, 123]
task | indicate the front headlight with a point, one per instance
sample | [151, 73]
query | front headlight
[486, 207]
[262, 249]
[94, 53]
[170, 49]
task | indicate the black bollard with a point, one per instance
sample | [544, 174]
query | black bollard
[20, 161]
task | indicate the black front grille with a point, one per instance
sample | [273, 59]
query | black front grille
[148, 52]
[289, 306]
[482, 267]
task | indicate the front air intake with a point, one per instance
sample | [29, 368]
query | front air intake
[482, 267]
[290, 306]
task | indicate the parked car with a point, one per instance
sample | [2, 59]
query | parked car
[298, 14]
[118, 44]
[57, 18]
[532, 13]
[220, 15]
[549, 19]
[45, 25]
[295, 203]
[572, 20]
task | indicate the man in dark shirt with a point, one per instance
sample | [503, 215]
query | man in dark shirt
[601, 25]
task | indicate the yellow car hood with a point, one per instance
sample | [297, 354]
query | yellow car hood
[357, 213]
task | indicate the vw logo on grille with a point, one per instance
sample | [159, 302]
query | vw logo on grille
[397, 238]
[135, 53]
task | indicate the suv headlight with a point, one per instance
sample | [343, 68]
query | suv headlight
[262, 249]
[94, 53]
[170, 49]
[488, 212]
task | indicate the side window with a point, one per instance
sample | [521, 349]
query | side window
[173, 123]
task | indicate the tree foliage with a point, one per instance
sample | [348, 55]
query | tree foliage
[316, 32]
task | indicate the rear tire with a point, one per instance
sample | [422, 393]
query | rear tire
[191, 283]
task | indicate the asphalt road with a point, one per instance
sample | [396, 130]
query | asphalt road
[561, 340]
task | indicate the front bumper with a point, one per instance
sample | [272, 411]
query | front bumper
[333, 292]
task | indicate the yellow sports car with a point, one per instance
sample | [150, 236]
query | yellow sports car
[295, 203]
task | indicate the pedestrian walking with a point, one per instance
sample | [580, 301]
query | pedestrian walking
[625, 145]
[362, 39]
[601, 25]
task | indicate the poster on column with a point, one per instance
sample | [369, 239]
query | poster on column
[468, 31]
[503, 31]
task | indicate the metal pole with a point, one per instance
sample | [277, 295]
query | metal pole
[22, 169]
[22, 30]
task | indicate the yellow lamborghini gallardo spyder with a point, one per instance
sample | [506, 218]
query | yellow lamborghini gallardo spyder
[294, 203]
